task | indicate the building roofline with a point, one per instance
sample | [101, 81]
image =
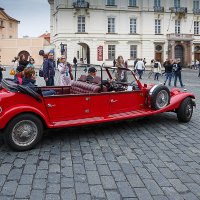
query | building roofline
[7, 16]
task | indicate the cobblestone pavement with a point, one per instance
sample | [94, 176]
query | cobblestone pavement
[151, 158]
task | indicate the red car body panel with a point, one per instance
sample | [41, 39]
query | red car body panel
[64, 110]
[74, 110]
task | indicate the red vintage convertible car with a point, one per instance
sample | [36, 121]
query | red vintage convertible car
[24, 113]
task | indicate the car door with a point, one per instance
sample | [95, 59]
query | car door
[67, 107]
[126, 101]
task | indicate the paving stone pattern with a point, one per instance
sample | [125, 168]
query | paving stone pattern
[151, 158]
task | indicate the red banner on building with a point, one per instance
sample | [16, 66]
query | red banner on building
[100, 53]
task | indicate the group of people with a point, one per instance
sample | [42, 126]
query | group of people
[172, 69]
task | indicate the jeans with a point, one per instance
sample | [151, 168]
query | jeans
[48, 93]
[178, 75]
[140, 72]
[168, 76]
[50, 81]
[156, 76]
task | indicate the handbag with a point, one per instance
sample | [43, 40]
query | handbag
[41, 73]
[12, 72]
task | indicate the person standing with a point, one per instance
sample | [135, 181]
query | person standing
[75, 61]
[49, 69]
[168, 71]
[121, 74]
[157, 69]
[65, 70]
[22, 61]
[177, 72]
[140, 67]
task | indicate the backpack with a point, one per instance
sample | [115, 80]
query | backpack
[155, 65]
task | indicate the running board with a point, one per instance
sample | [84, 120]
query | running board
[109, 118]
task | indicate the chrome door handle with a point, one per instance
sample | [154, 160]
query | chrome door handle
[51, 105]
[113, 101]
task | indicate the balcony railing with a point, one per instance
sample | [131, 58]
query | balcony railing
[158, 9]
[196, 11]
[178, 10]
[180, 37]
[80, 4]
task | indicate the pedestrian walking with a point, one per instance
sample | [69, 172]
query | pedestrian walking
[140, 67]
[157, 70]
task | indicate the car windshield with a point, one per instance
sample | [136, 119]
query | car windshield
[107, 73]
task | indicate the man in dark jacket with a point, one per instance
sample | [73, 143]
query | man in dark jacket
[177, 67]
[91, 74]
[49, 69]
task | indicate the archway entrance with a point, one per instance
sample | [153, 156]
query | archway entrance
[179, 52]
[84, 53]
[26, 54]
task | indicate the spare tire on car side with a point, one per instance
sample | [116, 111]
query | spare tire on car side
[159, 97]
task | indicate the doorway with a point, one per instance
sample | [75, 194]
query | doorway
[84, 53]
[179, 52]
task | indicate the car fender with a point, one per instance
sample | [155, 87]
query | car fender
[176, 100]
[9, 114]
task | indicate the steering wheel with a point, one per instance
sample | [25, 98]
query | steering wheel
[119, 86]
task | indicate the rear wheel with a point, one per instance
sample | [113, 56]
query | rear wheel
[23, 132]
[185, 110]
[159, 97]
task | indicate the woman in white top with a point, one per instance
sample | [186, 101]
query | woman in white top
[65, 70]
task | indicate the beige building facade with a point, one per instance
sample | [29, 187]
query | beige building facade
[11, 46]
[100, 30]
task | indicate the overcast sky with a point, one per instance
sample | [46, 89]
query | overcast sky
[34, 15]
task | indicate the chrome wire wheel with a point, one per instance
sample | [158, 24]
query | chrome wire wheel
[24, 133]
[189, 110]
[162, 99]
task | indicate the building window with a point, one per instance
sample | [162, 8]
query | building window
[133, 26]
[111, 52]
[177, 26]
[157, 26]
[157, 3]
[132, 3]
[10, 24]
[177, 3]
[196, 28]
[111, 25]
[133, 52]
[110, 3]
[195, 5]
[10, 36]
[81, 24]
[1, 23]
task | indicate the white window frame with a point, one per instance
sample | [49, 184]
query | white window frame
[133, 25]
[133, 52]
[177, 3]
[111, 25]
[177, 26]
[196, 27]
[195, 5]
[81, 24]
[111, 52]
[157, 3]
[157, 26]
[110, 3]
[132, 3]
